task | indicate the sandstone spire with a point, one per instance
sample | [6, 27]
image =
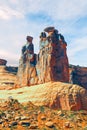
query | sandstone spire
[51, 64]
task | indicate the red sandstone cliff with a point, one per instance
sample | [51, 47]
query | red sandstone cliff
[79, 75]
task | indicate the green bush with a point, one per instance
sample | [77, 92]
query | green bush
[42, 109]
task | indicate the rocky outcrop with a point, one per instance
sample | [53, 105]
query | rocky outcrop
[56, 95]
[7, 76]
[3, 62]
[51, 64]
[79, 75]
[59, 96]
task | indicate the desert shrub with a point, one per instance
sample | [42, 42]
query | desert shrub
[85, 128]
[42, 109]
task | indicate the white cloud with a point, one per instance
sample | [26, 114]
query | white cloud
[77, 51]
[6, 13]
[13, 1]
[58, 10]
[77, 45]
[9, 56]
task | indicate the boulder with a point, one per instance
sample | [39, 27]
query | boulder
[25, 123]
[13, 124]
[49, 124]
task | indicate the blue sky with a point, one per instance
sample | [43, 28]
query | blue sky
[19, 18]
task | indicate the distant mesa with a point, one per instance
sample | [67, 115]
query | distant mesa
[3, 62]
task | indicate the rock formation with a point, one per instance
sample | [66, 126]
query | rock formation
[3, 62]
[7, 75]
[79, 75]
[56, 95]
[46, 69]
[51, 64]
[59, 95]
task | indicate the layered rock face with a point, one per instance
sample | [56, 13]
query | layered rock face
[79, 76]
[51, 64]
[7, 76]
